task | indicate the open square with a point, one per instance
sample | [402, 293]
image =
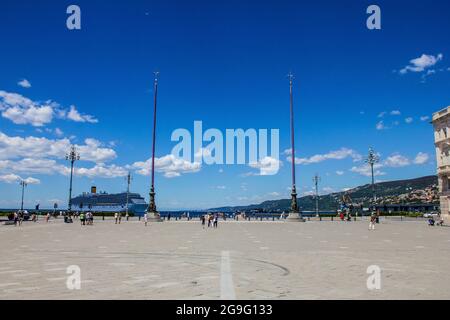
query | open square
[239, 260]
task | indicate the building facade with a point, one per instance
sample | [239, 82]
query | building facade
[441, 124]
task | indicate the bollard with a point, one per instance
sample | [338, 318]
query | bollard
[273, 218]
[332, 218]
[320, 218]
[103, 216]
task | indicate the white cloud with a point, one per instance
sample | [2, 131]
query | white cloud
[32, 166]
[340, 173]
[274, 194]
[409, 120]
[365, 170]
[31, 180]
[340, 154]
[396, 161]
[424, 118]
[421, 158]
[221, 187]
[24, 83]
[380, 126]
[169, 165]
[395, 113]
[22, 110]
[74, 115]
[267, 166]
[36, 116]
[101, 171]
[422, 63]
[59, 132]
[13, 178]
[34, 147]
[382, 114]
[10, 178]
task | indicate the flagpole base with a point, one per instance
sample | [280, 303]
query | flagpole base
[154, 216]
[294, 217]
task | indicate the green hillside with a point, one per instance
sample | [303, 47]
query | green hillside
[418, 190]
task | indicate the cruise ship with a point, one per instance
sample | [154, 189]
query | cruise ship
[104, 202]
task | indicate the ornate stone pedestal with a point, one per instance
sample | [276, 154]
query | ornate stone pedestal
[153, 215]
[294, 214]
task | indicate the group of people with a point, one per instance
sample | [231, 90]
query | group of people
[18, 218]
[86, 218]
[438, 221]
[211, 219]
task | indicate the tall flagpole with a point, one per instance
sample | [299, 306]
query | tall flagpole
[153, 214]
[294, 214]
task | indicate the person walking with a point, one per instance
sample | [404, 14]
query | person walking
[372, 222]
[47, 217]
[146, 218]
[203, 219]
[209, 220]
[120, 217]
[116, 217]
[20, 218]
[216, 218]
[82, 219]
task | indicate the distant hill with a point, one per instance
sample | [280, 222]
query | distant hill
[419, 190]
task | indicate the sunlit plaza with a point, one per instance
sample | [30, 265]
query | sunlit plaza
[238, 260]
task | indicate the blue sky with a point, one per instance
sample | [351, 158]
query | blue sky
[224, 63]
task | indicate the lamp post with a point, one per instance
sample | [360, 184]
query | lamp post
[23, 184]
[372, 159]
[294, 214]
[72, 156]
[316, 180]
[128, 193]
[153, 214]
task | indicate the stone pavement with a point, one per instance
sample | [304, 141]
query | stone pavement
[242, 260]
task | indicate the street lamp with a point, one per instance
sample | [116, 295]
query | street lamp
[153, 215]
[72, 156]
[316, 181]
[372, 159]
[23, 184]
[128, 193]
[294, 214]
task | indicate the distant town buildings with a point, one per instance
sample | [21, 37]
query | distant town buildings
[441, 124]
